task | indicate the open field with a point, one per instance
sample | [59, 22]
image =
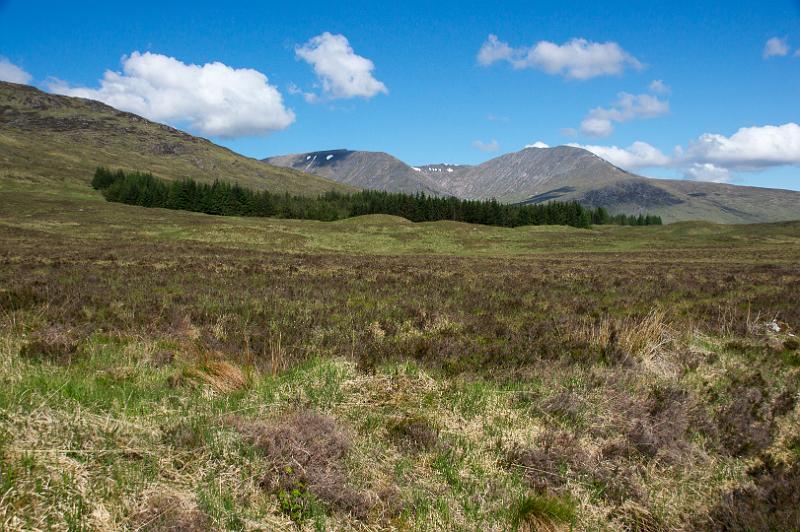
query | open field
[165, 370]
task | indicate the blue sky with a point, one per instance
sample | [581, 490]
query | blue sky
[426, 97]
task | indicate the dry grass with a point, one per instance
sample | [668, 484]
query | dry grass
[218, 375]
[165, 510]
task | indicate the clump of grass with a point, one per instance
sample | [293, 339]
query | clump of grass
[166, 510]
[306, 452]
[54, 344]
[539, 511]
[183, 435]
[626, 341]
[219, 375]
[630, 515]
[414, 433]
[565, 405]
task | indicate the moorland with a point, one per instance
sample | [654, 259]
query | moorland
[169, 370]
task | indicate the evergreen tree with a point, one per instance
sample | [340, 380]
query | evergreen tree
[222, 198]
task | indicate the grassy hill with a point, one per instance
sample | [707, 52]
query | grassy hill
[166, 370]
[58, 138]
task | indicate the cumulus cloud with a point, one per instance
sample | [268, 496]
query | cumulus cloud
[490, 146]
[494, 50]
[600, 121]
[659, 87]
[213, 98]
[342, 72]
[537, 144]
[707, 172]
[596, 126]
[11, 72]
[637, 155]
[575, 59]
[712, 156]
[776, 47]
[750, 148]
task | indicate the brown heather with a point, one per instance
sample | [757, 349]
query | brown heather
[171, 371]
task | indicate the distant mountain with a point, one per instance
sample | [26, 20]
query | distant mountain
[362, 169]
[519, 175]
[45, 136]
[536, 175]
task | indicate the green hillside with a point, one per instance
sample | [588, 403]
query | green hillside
[58, 138]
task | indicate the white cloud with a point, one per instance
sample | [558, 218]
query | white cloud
[599, 121]
[750, 148]
[776, 47]
[310, 97]
[659, 87]
[213, 98]
[576, 59]
[637, 155]
[537, 144]
[707, 172]
[569, 132]
[596, 127]
[11, 72]
[494, 50]
[343, 73]
[492, 145]
[713, 157]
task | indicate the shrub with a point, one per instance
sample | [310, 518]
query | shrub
[414, 433]
[770, 502]
[746, 424]
[305, 451]
[544, 465]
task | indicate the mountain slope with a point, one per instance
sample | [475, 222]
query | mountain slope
[536, 175]
[45, 136]
[519, 175]
[363, 169]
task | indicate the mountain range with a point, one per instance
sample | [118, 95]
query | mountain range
[535, 175]
[58, 138]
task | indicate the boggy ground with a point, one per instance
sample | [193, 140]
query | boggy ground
[171, 371]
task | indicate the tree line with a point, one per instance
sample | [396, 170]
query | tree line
[225, 199]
